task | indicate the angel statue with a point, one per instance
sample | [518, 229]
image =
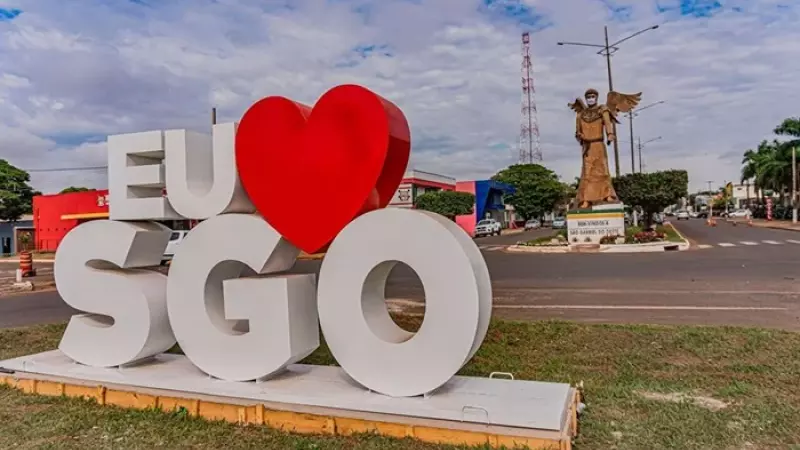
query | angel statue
[591, 120]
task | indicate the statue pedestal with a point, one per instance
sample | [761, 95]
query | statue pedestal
[588, 226]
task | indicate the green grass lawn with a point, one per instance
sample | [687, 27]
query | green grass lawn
[646, 388]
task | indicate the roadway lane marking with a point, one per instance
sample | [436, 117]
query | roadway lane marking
[491, 248]
[726, 244]
[772, 242]
[703, 246]
[748, 243]
[792, 241]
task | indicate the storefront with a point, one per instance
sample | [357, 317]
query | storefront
[55, 215]
[416, 183]
[489, 203]
[16, 236]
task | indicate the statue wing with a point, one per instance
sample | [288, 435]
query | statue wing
[578, 106]
[619, 102]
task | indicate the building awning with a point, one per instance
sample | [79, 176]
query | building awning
[100, 215]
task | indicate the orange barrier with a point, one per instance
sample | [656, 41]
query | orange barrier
[26, 264]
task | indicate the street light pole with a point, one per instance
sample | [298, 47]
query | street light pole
[611, 88]
[642, 144]
[607, 51]
[631, 114]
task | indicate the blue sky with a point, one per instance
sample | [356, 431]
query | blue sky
[74, 72]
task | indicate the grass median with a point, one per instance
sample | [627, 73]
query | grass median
[646, 387]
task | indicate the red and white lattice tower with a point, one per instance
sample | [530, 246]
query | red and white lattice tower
[529, 150]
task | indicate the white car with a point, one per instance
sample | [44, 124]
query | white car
[532, 224]
[174, 240]
[682, 215]
[488, 227]
[739, 213]
[559, 223]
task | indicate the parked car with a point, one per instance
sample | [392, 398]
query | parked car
[682, 215]
[658, 219]
[488, 227]
[532, 224]
[174, 240]
[702, 215]
[739, 213]
[559, 223]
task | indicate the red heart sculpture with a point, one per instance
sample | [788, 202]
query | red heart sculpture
[311, 172]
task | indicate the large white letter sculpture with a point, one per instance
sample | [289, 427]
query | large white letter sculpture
[263, 324]
[249, 328]
[206, 183]
[136, 177]
[127, 309]
[362, 336]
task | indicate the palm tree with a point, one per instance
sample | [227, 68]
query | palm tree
[789, 127]
[749, 171]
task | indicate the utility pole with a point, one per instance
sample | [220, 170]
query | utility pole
[794, 185]
[213, 116]
[607, 50]
[640, 155]
[711, 203]
[633, 159]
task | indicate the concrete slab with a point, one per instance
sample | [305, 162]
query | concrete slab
[525, 405]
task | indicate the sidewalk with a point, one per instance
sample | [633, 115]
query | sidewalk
[775, 224]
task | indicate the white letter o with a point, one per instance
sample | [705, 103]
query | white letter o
[356, 324]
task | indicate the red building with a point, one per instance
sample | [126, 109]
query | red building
[55, 215]
[416, 183]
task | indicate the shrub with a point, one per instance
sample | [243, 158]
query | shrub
[611, 239]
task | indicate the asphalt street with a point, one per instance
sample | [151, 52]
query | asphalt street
[747, 285]
[728, 236]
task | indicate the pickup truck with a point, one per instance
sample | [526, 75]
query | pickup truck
[487, 227]
[174, 240]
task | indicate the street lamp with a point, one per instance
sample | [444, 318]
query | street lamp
[607, 50]
[631, 114]
[642, 144]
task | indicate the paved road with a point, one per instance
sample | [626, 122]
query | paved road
[743, 285]
[727, 236]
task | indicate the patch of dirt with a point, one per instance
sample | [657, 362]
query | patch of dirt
[701, 401]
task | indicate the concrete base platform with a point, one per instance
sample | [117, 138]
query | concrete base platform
[319, 399]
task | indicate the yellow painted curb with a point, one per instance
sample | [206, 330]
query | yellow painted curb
[295, 422]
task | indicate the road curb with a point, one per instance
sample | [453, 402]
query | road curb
[686, 242]
[763, 225]
[538, 249]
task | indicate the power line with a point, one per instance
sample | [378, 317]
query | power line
[68, 169]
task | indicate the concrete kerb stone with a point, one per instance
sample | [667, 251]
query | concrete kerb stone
[650, 247]
[538, 249]
[770, 225]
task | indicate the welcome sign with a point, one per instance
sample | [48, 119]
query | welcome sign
[243, 322]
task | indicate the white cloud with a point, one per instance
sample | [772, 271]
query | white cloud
[73, 73]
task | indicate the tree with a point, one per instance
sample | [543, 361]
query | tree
[652, 191]
[447, 203]
[770, 165]
[16, 195]
[74, 189]
[538, 189]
